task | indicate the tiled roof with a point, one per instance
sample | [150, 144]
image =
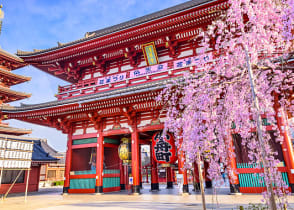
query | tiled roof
[4, 72]
[148, 18]
[123, 26]
[47, 148]
[13, 92]
[4, 129]
[39, 154]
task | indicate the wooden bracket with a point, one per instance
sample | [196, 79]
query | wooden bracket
[60, 124]
[96, 119]
[130, 114]
[172, 46]
[135, 58]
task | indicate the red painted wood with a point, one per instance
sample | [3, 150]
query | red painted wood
[196, 173]
[135, 156]
[81, 190]
[206, 166]
[80, 159]
[79, 146]
[140, 165]
[233, 177]
[257, 170]
[151, 128]
[111, 189]
[91, 176]
[111, 175]
[116, 132]
[169, 174]
[84, 136]
[181, 162]
[68, 160]
[255, 189]
[82, 176]
[111, 145]
[154, 172]
[99, 160]
[146, 142]
[20, 187]
[111, 158]
[122, 172]
[287, 146]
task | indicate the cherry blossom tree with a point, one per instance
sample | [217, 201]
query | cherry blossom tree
[250, 43]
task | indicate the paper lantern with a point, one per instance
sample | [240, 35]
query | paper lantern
[164, 149]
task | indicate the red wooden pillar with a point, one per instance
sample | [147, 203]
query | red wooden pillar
[196, 181]
[122, 176]
[181, 162]
[232, 173]
[287, 146]
[99, 163]
[135, 160]
[169, 174]
[140, 167]
[68, 162]
[154, 173]
[208, 183]
[126, 175]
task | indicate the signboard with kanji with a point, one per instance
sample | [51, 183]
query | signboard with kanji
[164, 149]
[15, 154]
[150, 53]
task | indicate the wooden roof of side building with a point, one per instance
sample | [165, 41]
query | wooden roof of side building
[14, 61]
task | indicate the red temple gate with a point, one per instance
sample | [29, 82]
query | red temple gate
[113, 93]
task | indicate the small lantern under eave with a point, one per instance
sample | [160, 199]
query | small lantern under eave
[124, 151]
[164, 149]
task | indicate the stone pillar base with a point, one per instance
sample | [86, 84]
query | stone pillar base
[65, 190]
[154, 186]
[136, 189]
[185, 188]
[208, 184]
[99, 189]
[234, 188]
[169, 185]
[196, 186]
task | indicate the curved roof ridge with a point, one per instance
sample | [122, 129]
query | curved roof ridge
[122, 26]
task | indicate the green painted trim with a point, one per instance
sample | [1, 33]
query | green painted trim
[82, 183]
[84, 141]
[111, 182]
[111, 141]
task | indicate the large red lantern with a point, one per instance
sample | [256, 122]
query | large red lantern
[164, 149]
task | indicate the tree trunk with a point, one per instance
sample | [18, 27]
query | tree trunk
[269, 186]
[201, 181]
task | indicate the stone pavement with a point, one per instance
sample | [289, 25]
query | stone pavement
[51, 199]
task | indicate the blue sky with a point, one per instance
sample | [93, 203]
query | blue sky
[40, 24]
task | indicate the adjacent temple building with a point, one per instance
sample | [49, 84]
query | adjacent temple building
[115, 75]
[8, 63]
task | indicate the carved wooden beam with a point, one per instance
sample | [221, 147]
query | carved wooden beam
[96, 119]
[172, 46]
[133, 55]
[130, 114]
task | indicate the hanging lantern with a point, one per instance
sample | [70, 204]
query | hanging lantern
[124, 151]
[164, 149]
